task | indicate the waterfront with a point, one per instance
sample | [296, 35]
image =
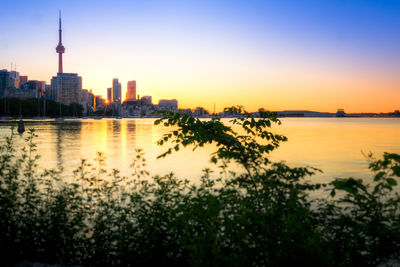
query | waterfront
[334, 145]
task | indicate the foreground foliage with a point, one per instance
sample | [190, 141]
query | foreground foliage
[263, 216]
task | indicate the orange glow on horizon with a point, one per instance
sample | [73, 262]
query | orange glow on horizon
[300, 56]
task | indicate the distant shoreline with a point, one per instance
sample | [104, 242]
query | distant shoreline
[70, 119]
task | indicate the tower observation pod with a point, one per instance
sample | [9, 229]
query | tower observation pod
[60, 48]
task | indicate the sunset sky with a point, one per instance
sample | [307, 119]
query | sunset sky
[301, 54]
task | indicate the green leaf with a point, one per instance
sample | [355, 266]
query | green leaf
[391, 181]
[379, 176]
[333, 193]
[396, 170]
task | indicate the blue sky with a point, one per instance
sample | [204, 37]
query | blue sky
[235, 50]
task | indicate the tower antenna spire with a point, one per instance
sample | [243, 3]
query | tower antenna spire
[60, 48]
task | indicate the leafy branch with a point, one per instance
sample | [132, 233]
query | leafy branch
[248, 147]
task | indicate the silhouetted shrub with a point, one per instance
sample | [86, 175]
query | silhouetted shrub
[262, 216]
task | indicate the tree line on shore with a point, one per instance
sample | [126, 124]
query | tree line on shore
[32, 107]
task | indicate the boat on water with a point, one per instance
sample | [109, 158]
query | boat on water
[340, 113]
[21, 126]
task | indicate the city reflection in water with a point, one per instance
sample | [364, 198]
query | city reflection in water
[333, 145]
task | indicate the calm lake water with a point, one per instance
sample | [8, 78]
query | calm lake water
[335, 145]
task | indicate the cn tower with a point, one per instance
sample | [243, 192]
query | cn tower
[60, 48]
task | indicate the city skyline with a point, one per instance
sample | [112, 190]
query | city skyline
[230, 54]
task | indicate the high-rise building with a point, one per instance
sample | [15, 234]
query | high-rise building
[146, 100]
[131, 90]
[60, 48]
[100, 102]
[9, 86]
[47, 92]
[23, 79]
[168, 104]
[66, 87]
[9, 80]
[87, 100]
[36, 87]
[116, 91]
[14, 79]
[4, 81]
[91, 98]
[42, 88]
[109, 95]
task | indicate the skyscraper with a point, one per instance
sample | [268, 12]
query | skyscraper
[116, 91]
[23, 79]
[146, 100]
[109, 95]
[131, 90]
[8, 80]
[67, 87]
[34, 86]
[60, 48]
[14, 76]
[4, 81]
